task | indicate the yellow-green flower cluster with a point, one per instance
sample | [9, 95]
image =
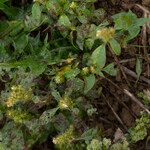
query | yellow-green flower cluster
[73, 5]
[66, 103]
[18, 116]
[65, 138]
[17, 94]
[88, 70]
[85, 71]
[106, 34]
[60, 78]
[69, 60]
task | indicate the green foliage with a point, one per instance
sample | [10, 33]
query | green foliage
[144, 97]
[106, 144]
[7, 142]
[52, 54]
[139, 131]
[64, 140]
[5, 6]
[130, 23]
[123, 145]
[99, 145]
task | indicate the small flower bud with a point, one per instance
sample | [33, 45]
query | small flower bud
[105, 34]
[85, 70]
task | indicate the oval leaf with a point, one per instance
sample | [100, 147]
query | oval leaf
[89, 83]
[36, 11]
[64, 21]
[115, 46]
[99, 56]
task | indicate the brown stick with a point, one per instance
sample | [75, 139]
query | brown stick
[132, 97]
[123, 104]
[116, 115]
[127, 60]
[120, 101]
[136, 100]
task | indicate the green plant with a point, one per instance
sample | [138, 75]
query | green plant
[139, 131]
[144, 97]
[52, 54]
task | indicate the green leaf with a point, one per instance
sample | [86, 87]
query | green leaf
[124, 20]
[80, 40]
[21, 43]
[133, 32]
[10, 135]
[78, 84]
[47, 116]
[9, 11]
[99, 56]
[89, 134]
[56, 95]
[100, 74]
[142, 21]
[110, 70]
[72, 73]
[36, 12]
[115, 46]
[83, 19]
[64, 21]
[36, 66]
[138, 67]
[89, 43]
[89, 83]
[54, 7]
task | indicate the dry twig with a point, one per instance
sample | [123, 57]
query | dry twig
[136, 100]
[116, 115]
[132, 97]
